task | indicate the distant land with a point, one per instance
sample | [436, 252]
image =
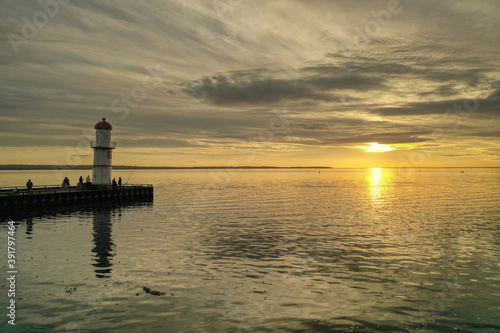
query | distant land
[131, 167]
[135, 167]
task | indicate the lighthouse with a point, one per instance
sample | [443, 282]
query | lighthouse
[103, 147]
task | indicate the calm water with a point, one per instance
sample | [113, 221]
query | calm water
[268, 251]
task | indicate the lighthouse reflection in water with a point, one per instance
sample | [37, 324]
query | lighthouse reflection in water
[103, 244]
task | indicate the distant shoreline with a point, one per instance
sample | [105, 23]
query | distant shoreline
[19, 167]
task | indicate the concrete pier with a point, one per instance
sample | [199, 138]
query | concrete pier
[48, 197]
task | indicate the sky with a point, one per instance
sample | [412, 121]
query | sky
[366, 83]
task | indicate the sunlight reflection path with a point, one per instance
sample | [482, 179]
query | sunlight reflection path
[378, 186]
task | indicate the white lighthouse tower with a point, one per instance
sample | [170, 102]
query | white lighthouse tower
[103, 147]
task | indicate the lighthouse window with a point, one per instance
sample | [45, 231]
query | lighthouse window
[109, 154]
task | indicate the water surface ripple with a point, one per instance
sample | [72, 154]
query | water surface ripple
[375, 250]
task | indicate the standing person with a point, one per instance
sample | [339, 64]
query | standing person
[29, 186]
[114, 182]
[80, 180]
[65, 184]
[120, 181]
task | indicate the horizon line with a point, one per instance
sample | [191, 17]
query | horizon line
[124, 167]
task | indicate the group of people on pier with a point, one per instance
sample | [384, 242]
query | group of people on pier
[65, 184]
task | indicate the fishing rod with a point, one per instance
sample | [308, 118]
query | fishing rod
[129, 177]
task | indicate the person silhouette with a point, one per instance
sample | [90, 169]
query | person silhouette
[29, 186]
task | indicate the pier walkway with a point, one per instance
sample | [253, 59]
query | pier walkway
[53, 197]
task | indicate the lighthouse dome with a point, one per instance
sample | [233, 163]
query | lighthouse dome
[103, 125]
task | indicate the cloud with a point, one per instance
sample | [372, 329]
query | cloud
[458, 107]
[382, 138]
[484, 134]
[266, 87]
[221, 90]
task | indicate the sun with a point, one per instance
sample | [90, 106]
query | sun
[376, 147]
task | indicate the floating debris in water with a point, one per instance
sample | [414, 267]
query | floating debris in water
[153, 292]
